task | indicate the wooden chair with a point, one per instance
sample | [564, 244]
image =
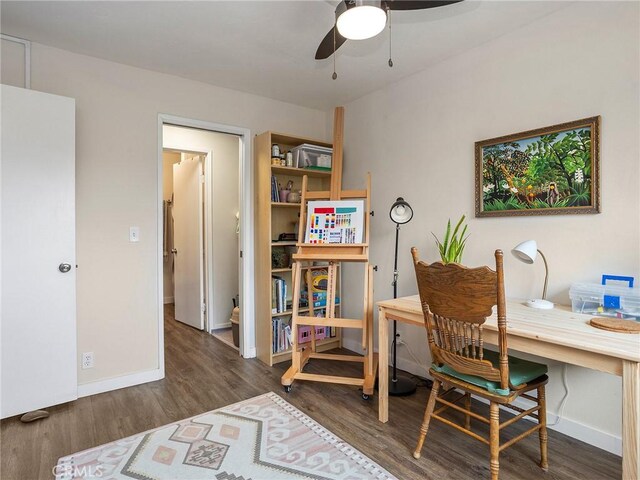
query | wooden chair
[456, 301]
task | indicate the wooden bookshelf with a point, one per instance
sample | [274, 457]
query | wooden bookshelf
[280, 270]
[283, 244]
[272, 219]
[285, 205]
[288, 269]
[299, 172]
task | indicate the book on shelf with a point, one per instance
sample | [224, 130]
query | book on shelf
[319, 299]
[281, 340]
[323, 302]
[275, 197]
[278, 295]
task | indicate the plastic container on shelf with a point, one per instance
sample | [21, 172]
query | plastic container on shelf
[606, 300]
[312, 156]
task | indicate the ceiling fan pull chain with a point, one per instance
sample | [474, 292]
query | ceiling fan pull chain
[389, 16]
[335, 75]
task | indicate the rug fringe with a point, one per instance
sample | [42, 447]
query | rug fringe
[376, 470]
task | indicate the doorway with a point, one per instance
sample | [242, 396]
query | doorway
[207, 228]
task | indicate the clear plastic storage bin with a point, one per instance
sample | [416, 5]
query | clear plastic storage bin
[312, 156]
[606, 300]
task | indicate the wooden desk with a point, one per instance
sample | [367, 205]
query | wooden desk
[557, 334]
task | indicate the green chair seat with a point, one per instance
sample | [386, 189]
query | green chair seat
[520, 371]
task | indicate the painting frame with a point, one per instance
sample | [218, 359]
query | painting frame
[481, 189]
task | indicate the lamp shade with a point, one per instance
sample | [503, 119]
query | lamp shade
[526, 251]
[401, 212]
[361, 19]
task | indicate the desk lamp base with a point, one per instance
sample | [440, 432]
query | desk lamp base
[540, 304]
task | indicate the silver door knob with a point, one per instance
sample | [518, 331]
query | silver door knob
[174, 251]
[64, 267]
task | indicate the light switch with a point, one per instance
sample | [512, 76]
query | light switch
[134, 234]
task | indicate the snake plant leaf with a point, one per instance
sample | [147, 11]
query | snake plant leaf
[454, 242]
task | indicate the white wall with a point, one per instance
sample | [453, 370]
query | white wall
[117, 109]
[417, 138]
[225, 205]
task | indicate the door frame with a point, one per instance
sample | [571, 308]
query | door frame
[245, 255]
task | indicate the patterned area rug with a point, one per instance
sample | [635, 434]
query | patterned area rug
[261, 438]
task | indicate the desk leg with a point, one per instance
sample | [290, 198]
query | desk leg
[630, 420]
[383, 366]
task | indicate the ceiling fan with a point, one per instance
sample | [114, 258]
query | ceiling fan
[361, 19]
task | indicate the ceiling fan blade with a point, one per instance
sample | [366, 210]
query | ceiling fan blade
[326, 48]
[417, 4]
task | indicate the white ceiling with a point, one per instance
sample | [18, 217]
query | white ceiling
[264, 47]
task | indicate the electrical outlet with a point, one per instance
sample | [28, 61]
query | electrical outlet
[134, 234]
[87, 360]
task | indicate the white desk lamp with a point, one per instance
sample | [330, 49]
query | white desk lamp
[527, 252]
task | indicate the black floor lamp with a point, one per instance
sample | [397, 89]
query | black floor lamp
[400, 214]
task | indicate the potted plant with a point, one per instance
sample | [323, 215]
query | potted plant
[452, 246]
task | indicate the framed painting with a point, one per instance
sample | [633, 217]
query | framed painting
[547, 171]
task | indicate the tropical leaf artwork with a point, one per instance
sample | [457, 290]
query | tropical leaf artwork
[552, 170]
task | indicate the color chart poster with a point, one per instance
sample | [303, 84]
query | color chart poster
[335, 222]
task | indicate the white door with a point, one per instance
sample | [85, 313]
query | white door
[188, 242]
[38, 333]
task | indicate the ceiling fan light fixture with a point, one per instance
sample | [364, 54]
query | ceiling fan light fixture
[361, 19]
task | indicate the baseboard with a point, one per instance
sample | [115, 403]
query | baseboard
[168, 300]
[220, 326]
[585, 433]
[603, 440]
[101, 386]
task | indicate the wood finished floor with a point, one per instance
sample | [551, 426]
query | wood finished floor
[203, 374]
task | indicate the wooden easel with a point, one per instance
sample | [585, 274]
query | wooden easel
[333, 254]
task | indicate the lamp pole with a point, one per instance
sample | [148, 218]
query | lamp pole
[400, 213]
[546, 274]
[394, 377]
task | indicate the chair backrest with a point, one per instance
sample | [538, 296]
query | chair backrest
[456, 301]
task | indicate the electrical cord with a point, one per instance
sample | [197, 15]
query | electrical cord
[420, 381]
[564, 398]
[418, 362]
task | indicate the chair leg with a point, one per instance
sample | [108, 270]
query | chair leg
[467, 406]
[427, 417]
[542, 433]
[494, 439]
